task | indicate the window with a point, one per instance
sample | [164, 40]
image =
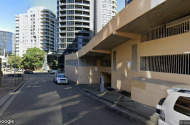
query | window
[106, 63]
[182, 105]
[69, 23]
[70, 1]
[70, 17]
[134, 57]
[87, 62]
[70, 6]
[178, 64]
[114, 61]
[70, 12]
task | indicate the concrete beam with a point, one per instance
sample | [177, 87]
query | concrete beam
[101, 51]
[127, 35]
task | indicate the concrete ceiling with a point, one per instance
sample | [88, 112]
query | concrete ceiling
[111, 42]
[94, 55]
[164, 13]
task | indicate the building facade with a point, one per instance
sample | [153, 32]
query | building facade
[143, 51]
[76, 24]
[13, 43]
[79, 20]
[6, 39]
[36, 28]
[105, 10]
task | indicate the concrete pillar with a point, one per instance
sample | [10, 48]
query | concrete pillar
[45, 63]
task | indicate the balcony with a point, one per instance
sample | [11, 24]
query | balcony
[47, 38]
[43, 24]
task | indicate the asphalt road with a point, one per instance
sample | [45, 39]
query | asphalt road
[42, 102]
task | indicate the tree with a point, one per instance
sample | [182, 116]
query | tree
[11, 61]
[55, 64]
[34, 58]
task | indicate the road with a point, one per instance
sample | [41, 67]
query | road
[42, 102]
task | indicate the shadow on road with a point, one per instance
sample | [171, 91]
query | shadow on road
[43, 102]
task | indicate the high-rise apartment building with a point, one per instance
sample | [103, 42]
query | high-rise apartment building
[80, 20]
[105, 10]
[13, 43]
[75, 24]
[6, 39]
[36, 28]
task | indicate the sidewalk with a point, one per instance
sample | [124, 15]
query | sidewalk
[136, 110]
[8, 85]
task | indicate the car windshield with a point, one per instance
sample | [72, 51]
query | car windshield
[60, 76]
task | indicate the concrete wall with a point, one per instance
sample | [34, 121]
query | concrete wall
[71, 72]
[178, 44]
[87, 74]
[148, 93]
[121, 78]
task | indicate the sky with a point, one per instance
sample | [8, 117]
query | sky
[10, 8]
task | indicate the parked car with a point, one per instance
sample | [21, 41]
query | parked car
[8, 70]
[28, 71]
[60, 79]
[20, 70]
[15, 69]
[176, 107]
[54, 71]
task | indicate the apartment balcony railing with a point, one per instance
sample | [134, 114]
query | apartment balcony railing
[62, 30]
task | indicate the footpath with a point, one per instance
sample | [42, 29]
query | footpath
[9, 85]
[122, 100]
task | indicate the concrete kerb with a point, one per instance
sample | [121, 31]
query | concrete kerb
[127, 111]
[8, 96]
[140, 116]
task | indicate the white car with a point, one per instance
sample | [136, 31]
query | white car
[54, 71]
[175, 109]
[60, 79]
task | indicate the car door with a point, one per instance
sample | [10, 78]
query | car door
[176, 108]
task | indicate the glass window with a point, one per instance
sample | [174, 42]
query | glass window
[60, 76]
[182, 105]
